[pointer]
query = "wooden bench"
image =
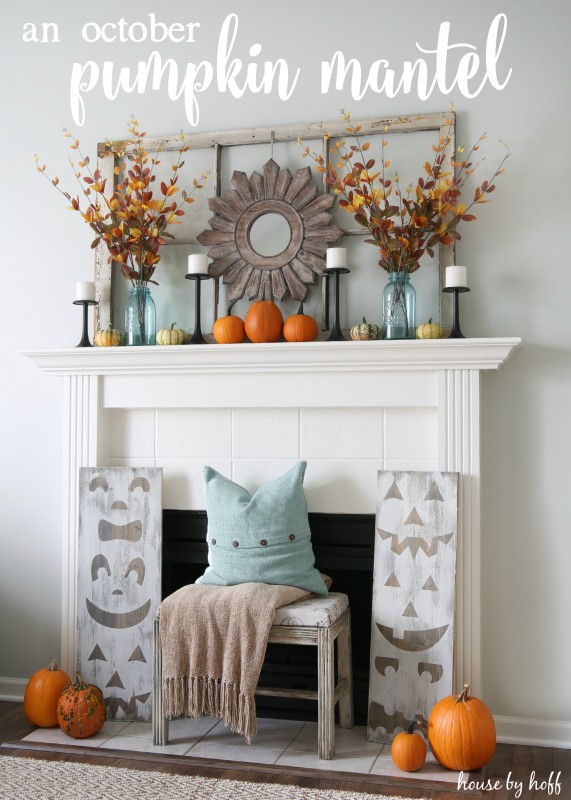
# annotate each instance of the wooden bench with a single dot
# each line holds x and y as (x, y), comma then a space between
(318, 622)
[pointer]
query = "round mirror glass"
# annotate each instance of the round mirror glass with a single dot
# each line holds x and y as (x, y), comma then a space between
(270, 234)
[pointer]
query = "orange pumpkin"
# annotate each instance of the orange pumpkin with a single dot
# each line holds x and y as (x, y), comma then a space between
(408, 750)
(42, 695)
(81, 709)
(461, 732)
(264, 322)
(229, 329)
(300, 327)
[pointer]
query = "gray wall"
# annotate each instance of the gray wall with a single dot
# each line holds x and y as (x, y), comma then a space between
(516, 252)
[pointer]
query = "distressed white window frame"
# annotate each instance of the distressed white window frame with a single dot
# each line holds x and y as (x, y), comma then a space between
(443, 122)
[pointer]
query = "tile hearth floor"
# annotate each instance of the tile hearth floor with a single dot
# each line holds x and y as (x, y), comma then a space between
(278, 741)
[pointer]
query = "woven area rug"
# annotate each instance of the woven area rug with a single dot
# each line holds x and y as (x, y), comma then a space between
(35, 779)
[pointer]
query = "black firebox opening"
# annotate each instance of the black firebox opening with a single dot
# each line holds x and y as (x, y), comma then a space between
(343, 545)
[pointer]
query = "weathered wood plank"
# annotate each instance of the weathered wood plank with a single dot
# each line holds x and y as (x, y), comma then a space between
(271, 172)
(321, 203)
(301, 269)
(306, 195)
(253, 285)
(239, 287)
(257, 185)
(119, 584)
(296, 286)
(282, 184)
(220, 206)
(265, 290)
(413, 598)
(241, 183)
(301, 178)
(279, 286)
(290, 133)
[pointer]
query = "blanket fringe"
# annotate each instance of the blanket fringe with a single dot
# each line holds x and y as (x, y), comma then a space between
(198, 696)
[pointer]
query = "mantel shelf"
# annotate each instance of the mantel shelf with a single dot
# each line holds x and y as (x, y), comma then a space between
(295, 357)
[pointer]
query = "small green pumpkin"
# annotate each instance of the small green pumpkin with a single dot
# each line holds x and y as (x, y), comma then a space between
(171, 335)
(365, 331)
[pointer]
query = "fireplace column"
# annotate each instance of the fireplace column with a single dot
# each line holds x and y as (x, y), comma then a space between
(82, 443)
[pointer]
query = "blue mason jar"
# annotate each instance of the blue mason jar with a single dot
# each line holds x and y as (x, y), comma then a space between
(399, 307)
(140, 317)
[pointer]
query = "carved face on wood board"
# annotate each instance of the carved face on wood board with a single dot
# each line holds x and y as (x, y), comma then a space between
(413, 598)
(119, 583)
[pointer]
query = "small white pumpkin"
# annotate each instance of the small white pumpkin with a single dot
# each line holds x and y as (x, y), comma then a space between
(365, 331)
(171, 335)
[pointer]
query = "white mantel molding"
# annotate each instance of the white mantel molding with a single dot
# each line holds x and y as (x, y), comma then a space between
(321, 356)
(442, 374)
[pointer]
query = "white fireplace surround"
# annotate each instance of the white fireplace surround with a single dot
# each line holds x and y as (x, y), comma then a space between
(252, 410)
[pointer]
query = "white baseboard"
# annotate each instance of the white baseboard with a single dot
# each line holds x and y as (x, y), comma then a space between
(540, 732)
(12, 689)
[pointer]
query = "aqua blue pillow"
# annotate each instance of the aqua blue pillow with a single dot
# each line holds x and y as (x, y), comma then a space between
(260, 538)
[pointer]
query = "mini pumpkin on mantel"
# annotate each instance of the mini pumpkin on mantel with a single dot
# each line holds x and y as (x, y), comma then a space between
(171, 335)
(229, 329)
(365, 332)
(300, 327)
(264, 322)
(429, 330)
(107, 337)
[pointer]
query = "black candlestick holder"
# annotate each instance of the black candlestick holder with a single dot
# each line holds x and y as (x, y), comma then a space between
(336, 335)
(197, 337)
(85, 336)
(456, 333)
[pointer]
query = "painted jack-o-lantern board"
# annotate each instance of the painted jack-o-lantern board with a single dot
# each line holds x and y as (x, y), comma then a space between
(119, 584)
(412, 636)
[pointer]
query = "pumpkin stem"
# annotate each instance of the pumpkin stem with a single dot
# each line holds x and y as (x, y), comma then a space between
(53, 665)
(172, 326)
(231, 306)
(300, 309)
(430, 320)
(364, 321)
(463, 696)
(411, 725)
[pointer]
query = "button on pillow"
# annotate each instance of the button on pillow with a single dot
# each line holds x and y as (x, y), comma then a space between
(259, 538)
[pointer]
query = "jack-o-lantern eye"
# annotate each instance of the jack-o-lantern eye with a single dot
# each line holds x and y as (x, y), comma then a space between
(99, 482)
(140, 483)
(99, 562)
(136, 565)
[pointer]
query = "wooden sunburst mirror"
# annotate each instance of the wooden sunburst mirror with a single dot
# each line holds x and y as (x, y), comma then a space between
(235, 257)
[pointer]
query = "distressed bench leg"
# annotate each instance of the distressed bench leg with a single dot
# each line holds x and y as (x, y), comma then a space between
(325, 694)
(160, 724)
(345, 671)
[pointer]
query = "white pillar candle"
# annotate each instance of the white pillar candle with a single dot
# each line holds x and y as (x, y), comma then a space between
(456, 277)
(197, 264)
(85, 290)
(336, 257)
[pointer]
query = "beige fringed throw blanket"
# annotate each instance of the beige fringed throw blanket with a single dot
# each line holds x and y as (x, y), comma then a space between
(213, 641)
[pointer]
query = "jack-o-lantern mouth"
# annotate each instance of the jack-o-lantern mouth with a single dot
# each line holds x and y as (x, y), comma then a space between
(111, 619)
(413, 641)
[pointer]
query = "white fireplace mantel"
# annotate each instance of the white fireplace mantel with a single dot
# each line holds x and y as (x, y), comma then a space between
(439, 375)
